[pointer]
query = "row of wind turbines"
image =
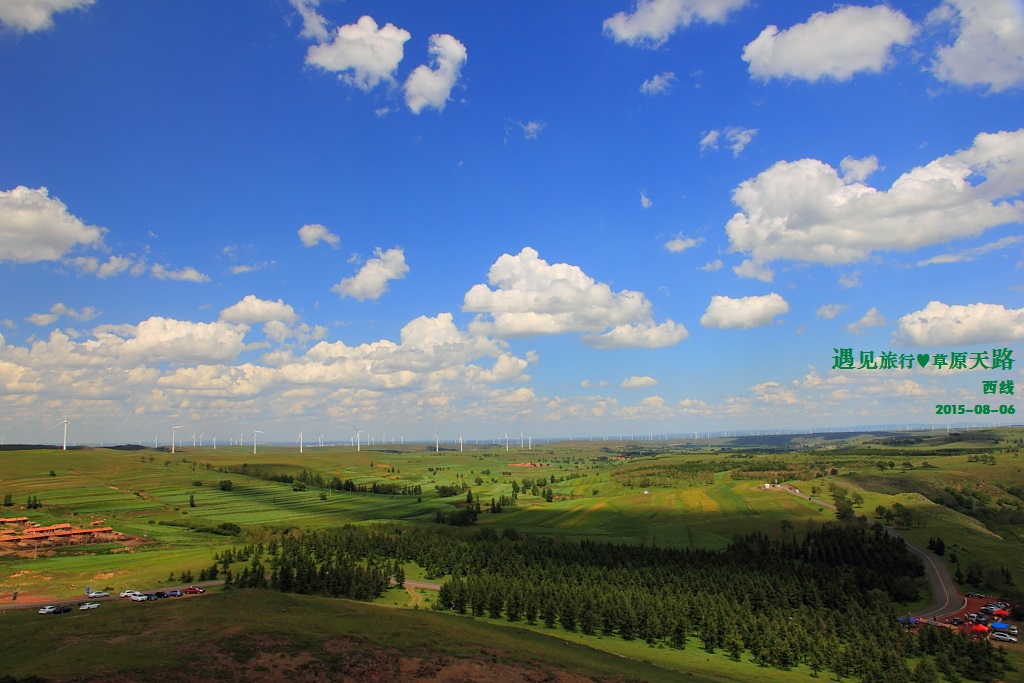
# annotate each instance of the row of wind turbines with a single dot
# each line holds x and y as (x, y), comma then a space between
(526, 442)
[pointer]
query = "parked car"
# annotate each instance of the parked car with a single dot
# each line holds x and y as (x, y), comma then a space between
(139, 597)
(194, 590)
(49, 609)
(1004, 637)
(1012, 630)
(972, 617)
(152, 596)
(161, 594)
(129, 593)
(956, 621)
(176, 593)
(987, 610)
(62, 609)
(99, 594)
(975, 595)
(89, 605)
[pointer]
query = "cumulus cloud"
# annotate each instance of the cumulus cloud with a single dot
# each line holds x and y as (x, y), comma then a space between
(805, 211)
(187, 274)
(372, 279)
(833, 45)
(35, 15)
(362, 54)
(939, 324)
(658, 84)
(680, 243)
(750, 311)
(251, 309)
(652, 22)
(647, 336)
(858, 170)
(313, 234)
(645, 201)
(736, 138)
(58, 310)
(36, 227)
(431, 86)
(754, 270)
(639, 382)
(531, 297)
(711, 266)
(870, 319)
(989, 46)
(830, 311)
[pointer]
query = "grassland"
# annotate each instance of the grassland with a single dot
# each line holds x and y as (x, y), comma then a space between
(146, 494)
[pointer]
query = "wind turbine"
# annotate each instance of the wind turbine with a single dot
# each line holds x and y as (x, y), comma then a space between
(214, 442)
(460, 442)
(65, 423)
(174, 429)
(300, 442)
(193, 439)
(254, 433)
(437, 443)
(506, 442)
(321, 439)
(358, 432)
(201, 439)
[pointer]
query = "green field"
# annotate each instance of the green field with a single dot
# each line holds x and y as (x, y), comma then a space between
(146, 495)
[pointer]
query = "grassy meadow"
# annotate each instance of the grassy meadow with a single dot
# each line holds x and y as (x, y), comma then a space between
(690, 496)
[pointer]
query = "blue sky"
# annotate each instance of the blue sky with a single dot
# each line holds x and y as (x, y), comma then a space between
(597, 217)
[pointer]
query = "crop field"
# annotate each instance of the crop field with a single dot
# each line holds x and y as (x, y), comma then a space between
(179, 515)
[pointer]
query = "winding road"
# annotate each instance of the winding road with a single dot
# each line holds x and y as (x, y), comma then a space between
(946, 598)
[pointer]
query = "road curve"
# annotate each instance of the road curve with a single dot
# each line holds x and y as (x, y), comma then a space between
(946, 598)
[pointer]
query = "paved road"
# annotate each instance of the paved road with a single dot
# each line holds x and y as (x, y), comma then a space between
(946, 598)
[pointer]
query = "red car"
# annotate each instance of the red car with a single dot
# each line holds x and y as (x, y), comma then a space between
(194, 590)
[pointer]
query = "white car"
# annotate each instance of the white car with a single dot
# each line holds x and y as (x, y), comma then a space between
(129, 594)
(1003, 637)
(89, 605)
(49, 609)
(99, 594)
(140, 597)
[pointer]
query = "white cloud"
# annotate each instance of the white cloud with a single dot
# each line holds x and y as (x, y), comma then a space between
(849, 280)
(804, 211)
(58, 310)
(858, 170)
(313, 234)
(35, 15)
(711, 266)
(974, 252)
(187, 274)
(252, 309)
(989, 48)
(750, 311)
(532, 129)
(372, 279)
(709, 141)
(830, 311)
(313, 24)
(115, 265)
(833, 45)
(645, 201)
(587, 384)
(361, 54)
(36, 227)
(680, 243)
(646, 336)
(652, 22)
(534, 297)
(737, 139)
(658, 84)
(432, 86)
(244, 268)
(639, 382)
(754, 270)
(939, 324)
(870, 319)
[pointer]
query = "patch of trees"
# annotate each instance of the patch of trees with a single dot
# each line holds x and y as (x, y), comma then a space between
(224, 529)
(822, 601)
(670, 473)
